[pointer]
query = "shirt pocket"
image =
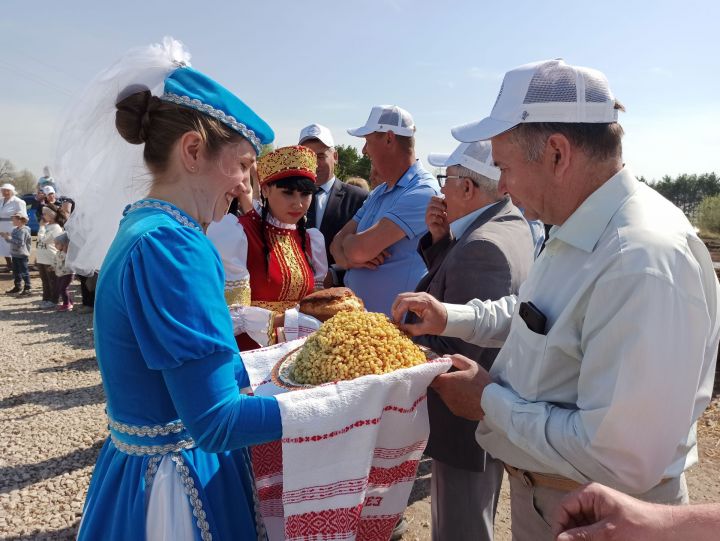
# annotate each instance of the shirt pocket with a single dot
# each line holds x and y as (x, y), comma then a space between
(526, 359)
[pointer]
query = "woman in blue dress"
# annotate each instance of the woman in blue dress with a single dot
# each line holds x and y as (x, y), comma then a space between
(175, 465)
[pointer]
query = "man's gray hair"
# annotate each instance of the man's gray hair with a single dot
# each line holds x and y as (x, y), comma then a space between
(487, 185)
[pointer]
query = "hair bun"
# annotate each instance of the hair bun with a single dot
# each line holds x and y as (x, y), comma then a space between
(132, 118)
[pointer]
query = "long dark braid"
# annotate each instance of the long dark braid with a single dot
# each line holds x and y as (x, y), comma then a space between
(301, 228)
(263, 233)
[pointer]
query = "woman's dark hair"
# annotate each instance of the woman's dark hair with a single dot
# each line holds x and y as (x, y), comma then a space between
(60, 216)
(144, 118)
(300, 184)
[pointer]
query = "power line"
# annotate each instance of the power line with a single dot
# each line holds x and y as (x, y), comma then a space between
(35, 78)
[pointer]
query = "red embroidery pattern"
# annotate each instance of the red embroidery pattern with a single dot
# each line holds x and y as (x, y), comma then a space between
(270, 492)
(267, 459)
(327, 524)
(376, 528)
(322, 492)
(272, 508)
(385, 477)
(390, 454)
(356, 424)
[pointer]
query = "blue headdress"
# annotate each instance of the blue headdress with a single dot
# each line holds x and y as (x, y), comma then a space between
(101, 171)
(190, 88)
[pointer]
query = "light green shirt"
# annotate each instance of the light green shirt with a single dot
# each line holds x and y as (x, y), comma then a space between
(612, 391)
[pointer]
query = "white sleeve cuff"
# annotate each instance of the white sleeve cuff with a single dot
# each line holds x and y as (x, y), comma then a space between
(253, 320)
(497, 403)
(461, 321)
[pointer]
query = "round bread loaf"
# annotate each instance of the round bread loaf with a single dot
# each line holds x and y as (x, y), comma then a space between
(325, 303)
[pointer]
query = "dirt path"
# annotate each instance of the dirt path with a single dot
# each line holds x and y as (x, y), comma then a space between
(52, 424)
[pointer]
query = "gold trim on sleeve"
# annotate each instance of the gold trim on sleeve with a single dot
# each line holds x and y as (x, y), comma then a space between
(238, 292)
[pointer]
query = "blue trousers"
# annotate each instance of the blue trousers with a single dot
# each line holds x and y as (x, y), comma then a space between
(21, 273)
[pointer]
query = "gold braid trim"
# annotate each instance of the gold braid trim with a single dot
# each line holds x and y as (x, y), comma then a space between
(275, 306)
(272, 337)
(237, 292)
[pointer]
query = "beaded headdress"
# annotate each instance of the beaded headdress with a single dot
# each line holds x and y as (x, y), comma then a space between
(295, 161)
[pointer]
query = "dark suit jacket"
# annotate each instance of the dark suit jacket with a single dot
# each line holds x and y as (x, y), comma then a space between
(489, 261)
(343, 202)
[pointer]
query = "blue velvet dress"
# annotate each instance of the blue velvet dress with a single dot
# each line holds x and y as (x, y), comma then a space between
(172, 376)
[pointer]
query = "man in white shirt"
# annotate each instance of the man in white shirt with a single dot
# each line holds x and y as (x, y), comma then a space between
(335, 202)
(610, 346)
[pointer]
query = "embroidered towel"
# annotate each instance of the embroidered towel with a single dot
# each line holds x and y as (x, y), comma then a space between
(348, 455)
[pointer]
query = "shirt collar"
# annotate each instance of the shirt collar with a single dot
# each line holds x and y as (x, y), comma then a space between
(585, 226)
(328, 185)
(459, 226)
(405, 179)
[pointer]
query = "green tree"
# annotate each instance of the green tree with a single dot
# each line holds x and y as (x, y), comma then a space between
(688, 191)
(266, 149)
(709, 214)
(24, 181)
(351, 163)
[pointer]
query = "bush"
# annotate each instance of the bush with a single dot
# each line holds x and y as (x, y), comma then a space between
(709, 214)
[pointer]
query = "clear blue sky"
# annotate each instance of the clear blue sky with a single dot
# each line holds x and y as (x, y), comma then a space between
(328, 61)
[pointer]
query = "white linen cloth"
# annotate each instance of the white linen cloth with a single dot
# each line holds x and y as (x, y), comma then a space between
(350, 451)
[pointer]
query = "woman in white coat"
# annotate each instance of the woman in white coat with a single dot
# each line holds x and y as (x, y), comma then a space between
(9, 205)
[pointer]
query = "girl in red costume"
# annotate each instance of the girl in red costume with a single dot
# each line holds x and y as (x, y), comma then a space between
(271, 261)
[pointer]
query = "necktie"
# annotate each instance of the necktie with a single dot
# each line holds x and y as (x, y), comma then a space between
(312, 211)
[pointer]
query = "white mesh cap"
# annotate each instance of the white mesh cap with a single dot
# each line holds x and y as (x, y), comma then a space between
(546, 91)
(316, 131)
(384, 118)
(475, 156)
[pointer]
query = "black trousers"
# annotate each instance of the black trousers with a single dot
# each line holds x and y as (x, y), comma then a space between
(49, 282)
(88, 294)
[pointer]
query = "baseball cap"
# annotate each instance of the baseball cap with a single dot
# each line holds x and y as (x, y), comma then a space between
(545, 91)
(316, 131)
(47, 190)
(475, 156)
(385, 118)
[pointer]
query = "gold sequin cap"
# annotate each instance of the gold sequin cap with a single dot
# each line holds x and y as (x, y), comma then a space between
(295, 161)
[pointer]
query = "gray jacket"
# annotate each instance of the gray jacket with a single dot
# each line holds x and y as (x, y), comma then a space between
(489, 261)
(20, 241)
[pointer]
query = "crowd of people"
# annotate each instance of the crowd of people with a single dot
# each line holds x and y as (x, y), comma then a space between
(51, 212)
(583, 357)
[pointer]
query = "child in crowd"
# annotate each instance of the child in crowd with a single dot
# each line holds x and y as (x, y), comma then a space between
(64, 275)
(20, 241)
(51, 226)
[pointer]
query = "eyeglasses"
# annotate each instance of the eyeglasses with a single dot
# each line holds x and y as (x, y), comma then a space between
(443, 178)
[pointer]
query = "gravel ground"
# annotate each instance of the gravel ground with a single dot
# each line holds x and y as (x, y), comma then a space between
(52, 425)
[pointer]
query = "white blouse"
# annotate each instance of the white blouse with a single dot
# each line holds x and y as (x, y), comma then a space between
(230, 239)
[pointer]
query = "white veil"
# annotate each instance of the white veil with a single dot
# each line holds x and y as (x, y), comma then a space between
(99, 169)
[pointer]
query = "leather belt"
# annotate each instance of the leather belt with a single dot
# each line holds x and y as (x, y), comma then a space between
(532, 479)
(556, 482)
